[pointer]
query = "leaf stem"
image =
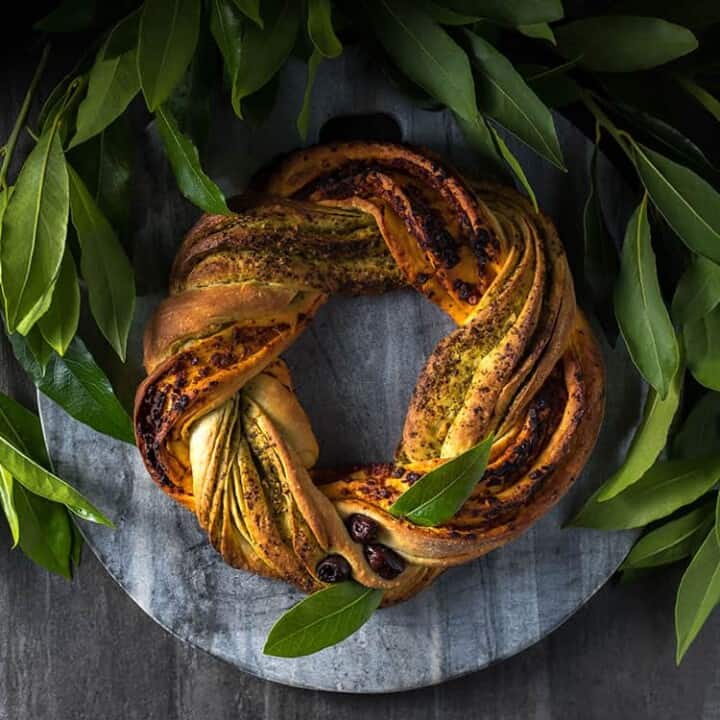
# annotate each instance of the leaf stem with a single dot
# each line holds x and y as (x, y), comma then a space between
(601, 119)
(20, 121)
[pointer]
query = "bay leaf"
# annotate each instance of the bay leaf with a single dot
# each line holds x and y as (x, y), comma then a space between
(34, 230)
(251, 9)
(320, 29)
(538, 31)
(105, 164)
(649, 440)
(323, 619)
(426, 54)
(303, 120)
(184, 159)
(701, 339)
(699, 435)
(624, 43)
(504, 95)
(42, 482)
(113, 82)
(698, 593)
(665, 487)
(673, 541)
(437, 496)
(481, 139)
(690, 204)
(79, 386)
(167, 39)
(60, 323)
(194, 99)
(104, 266)
(22, 428)
(697, 292)
(226, 25)
(639, 308)
(514, 164)
(265, 49)
(45, 531)
(527, 12)
(7, 500)
(600, 256)
(647, 128)
(69, 16)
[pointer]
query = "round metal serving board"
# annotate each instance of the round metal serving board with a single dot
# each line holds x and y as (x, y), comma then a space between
(355, 368)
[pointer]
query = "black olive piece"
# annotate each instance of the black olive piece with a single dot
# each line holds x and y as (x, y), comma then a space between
(384, 561)
(362, 529)
(333, 569)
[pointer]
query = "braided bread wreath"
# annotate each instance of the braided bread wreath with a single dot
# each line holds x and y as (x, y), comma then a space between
(222, 432)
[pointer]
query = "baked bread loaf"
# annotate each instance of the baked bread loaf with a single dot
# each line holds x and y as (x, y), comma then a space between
(222, 432)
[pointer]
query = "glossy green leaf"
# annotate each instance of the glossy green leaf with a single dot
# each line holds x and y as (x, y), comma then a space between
(112, 84)
(266, 49)
(624, 43)
(194, 100)
(538, 31)
(42, 482)
(482, 139)
(251, 9)
(194, 184)
(514, 164)
(527, 12)
(689, 204)
(701, 339)
(504, 95)
(665, 488)
(699, 435)
(554, 87)
(104, 267)
(45, 531)
(77, 544)
(426, 54)
(649, 440)
(79, 386)
(303, 120)
(672, 541)
(59, 324)
(226, 25)
(656, 133)
(445, 15)
(34, 230)
(34, 347)
(698, 291)
(600, 256)
(639, 308)
(438, 495)
(323, 619)
(7, 500)
(695, 14)
(69, 16)
(23, 430)
(708, 101)
(320, 28)
(105, 163)
(698, 593)
(168, 35)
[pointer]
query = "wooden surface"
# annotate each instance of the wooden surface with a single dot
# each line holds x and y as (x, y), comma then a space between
(85, 650)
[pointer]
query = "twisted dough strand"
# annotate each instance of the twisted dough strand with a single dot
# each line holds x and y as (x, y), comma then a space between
(221, 430)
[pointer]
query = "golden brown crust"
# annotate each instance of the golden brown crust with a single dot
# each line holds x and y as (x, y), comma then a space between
(221, 430)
